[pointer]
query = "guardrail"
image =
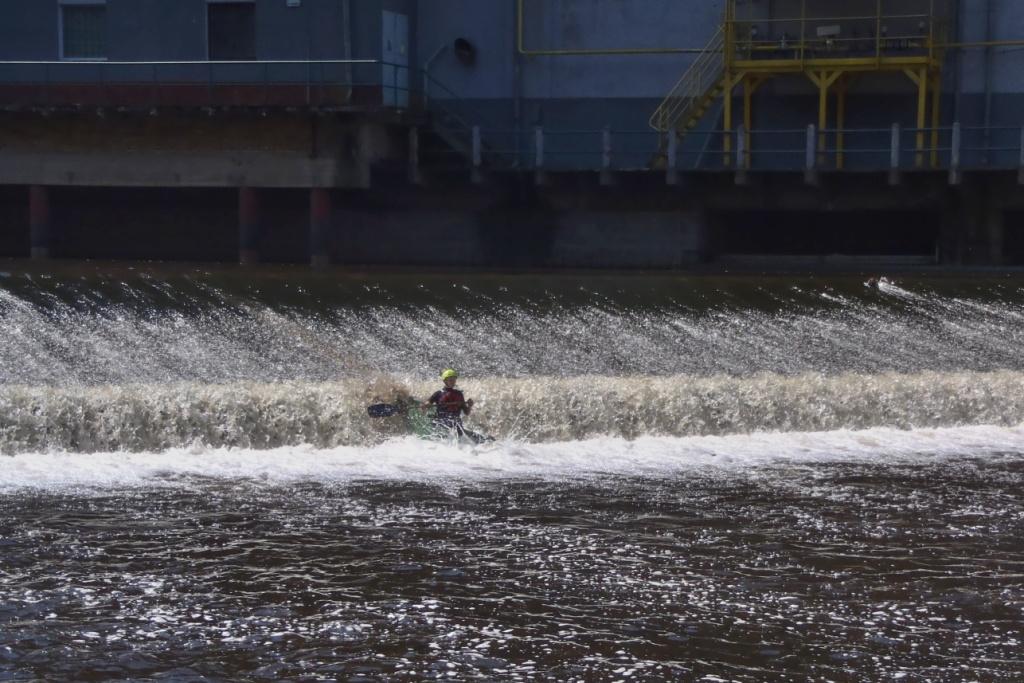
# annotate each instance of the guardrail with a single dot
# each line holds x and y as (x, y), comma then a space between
(480, 145)
(893, 150)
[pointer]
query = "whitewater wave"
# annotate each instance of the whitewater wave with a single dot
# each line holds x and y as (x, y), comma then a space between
(260, 416)
(412, 460)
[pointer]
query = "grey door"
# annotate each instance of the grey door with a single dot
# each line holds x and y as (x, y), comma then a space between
(395, 55)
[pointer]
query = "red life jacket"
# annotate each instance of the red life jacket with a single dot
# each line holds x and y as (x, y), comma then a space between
(450, 403)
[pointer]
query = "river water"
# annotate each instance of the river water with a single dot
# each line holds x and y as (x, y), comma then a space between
(706, 479)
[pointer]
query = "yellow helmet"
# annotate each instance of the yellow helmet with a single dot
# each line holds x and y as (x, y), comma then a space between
(449, 374)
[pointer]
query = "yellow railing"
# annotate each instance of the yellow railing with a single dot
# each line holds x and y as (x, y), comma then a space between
(697, 82)
(806, 38)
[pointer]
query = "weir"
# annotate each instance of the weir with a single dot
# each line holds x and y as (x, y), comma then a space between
(157, 418)
(143, 364)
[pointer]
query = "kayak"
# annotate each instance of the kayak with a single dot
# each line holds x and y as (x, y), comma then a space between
(425, 425)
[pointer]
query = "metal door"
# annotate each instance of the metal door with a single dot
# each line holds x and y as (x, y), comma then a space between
(395, 55)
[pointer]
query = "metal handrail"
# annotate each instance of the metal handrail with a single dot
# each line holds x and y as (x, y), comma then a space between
(863, 17)
(697, 81)
(186, 62)
(623, 145)
(478, 119)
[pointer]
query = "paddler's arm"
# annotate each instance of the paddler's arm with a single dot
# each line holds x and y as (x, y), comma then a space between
(467, 406)
(426, 405)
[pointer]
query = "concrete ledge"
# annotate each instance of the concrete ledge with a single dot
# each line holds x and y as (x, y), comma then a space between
(816, 260)
(156, 169)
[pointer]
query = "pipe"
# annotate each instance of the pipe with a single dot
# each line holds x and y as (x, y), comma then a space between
(958, 60)
(988, 77)
(346, 44)
(517, 86)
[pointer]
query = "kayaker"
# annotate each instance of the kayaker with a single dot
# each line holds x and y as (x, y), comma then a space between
(450, 404)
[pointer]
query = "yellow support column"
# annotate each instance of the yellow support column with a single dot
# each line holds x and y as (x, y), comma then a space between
(748, 91)
(728, 81)
(750, 85)
(819, 80)
(824, 80)
(920, 79)
(727, 85)
(840, 122)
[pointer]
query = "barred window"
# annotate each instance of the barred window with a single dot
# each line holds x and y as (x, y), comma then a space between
(83, 31)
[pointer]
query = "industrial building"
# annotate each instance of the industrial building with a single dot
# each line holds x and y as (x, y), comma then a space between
(670, 134)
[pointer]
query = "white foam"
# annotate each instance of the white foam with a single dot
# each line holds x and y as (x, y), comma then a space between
(269, 415)
(411, 459)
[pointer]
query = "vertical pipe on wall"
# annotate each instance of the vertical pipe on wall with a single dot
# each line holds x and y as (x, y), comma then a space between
(346, 46)
(988, 79)
(841, 123)
(517, 80)
(958, 59)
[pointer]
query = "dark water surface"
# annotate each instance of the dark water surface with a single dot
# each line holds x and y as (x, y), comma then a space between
(693, 478)
(842, 572)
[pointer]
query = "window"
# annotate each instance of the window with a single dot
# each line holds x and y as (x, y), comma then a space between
(231, 30)
(83, 30)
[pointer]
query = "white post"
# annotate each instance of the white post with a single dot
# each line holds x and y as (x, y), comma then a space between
(741, 155)
(538, 162)
(606, 156)
(954, 155)
(478, 156)
(894, 155)
(811, 156)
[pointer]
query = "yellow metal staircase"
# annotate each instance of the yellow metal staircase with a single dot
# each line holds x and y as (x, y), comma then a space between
(829, 48)
(699, 87)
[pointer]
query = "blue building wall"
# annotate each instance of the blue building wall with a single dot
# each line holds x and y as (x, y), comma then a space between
(587, 92)
(176, 29)
(510, 92)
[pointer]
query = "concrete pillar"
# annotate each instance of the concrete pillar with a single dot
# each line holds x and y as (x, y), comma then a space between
(248, 226)
(39, 221)
(320, 211)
